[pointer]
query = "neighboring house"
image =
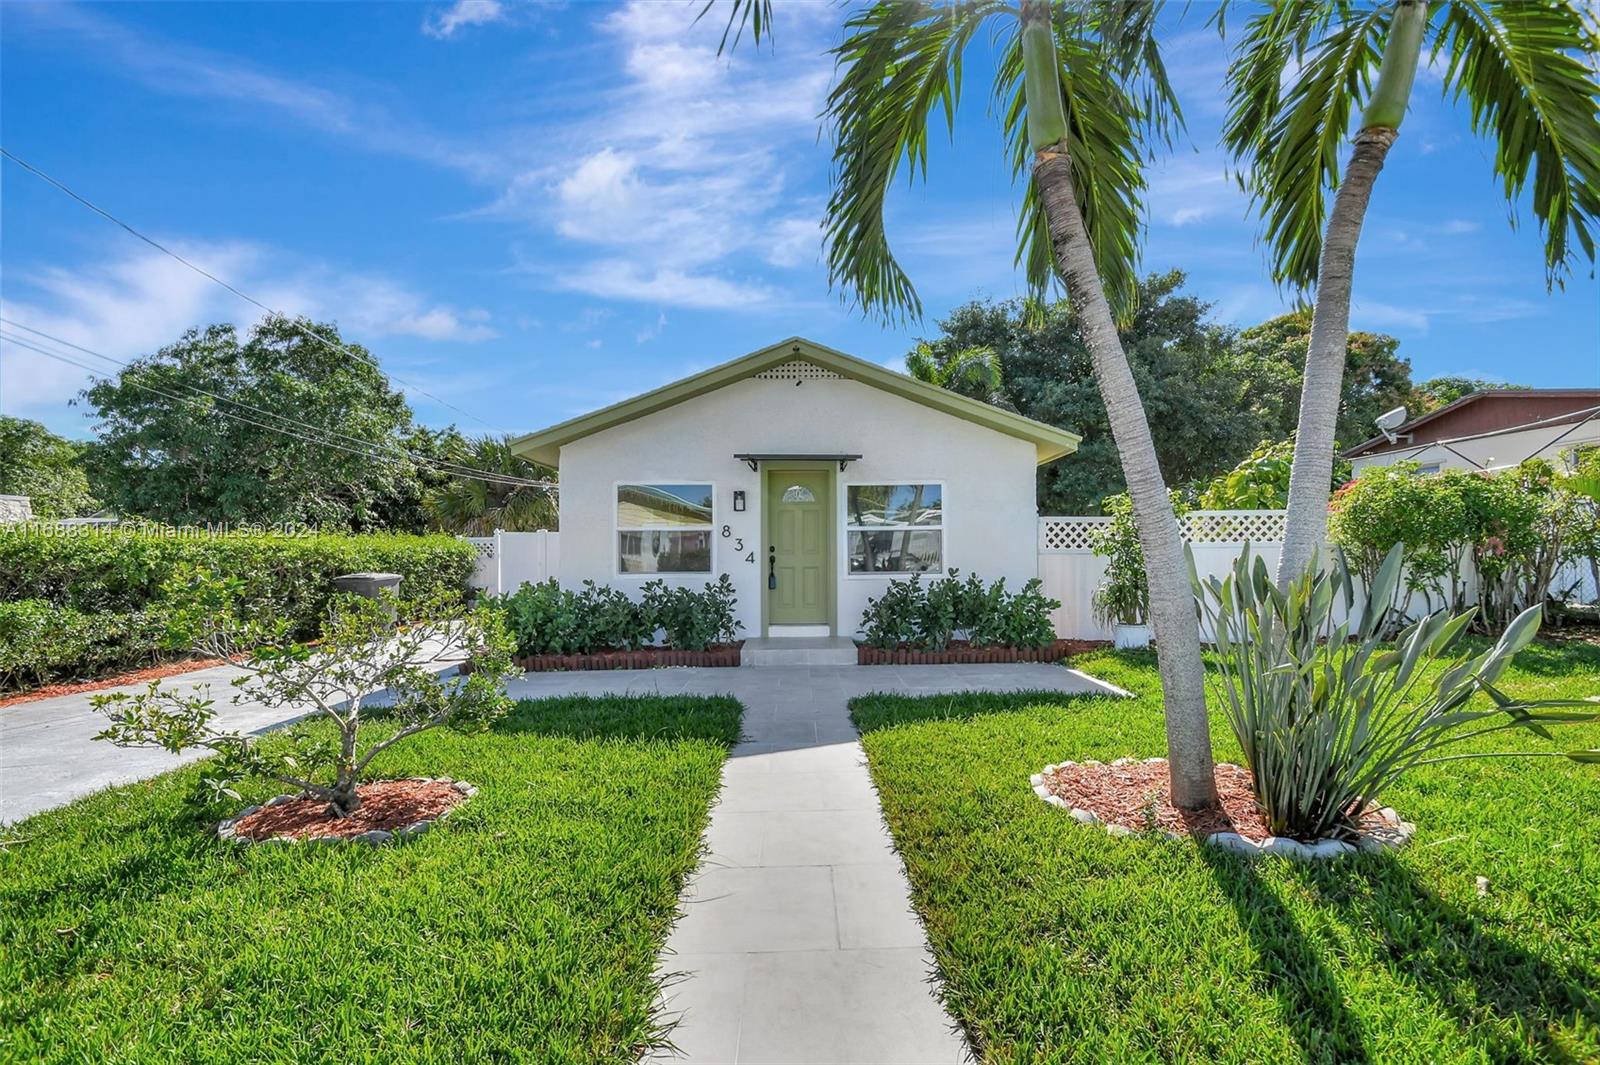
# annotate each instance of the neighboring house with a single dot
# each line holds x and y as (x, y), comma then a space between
(810, 477)
(15, 509)
(1490, 431)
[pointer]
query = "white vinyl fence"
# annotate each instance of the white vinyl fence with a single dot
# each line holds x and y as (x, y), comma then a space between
(1067, 563)
(508, 560)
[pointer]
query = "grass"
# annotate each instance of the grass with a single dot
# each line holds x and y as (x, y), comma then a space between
(1058, 942)
(524, 927)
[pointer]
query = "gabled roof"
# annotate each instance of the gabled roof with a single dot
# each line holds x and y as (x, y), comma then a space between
(1049, 442)
(1581, 399)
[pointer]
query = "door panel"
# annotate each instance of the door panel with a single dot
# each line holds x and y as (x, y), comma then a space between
(798, 525)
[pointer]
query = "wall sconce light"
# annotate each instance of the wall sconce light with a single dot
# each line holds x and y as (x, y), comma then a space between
(738, 501)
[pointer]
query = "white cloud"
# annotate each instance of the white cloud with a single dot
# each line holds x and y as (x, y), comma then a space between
(444, 24)
(1190, 188)
(134, 305)
(650, 332)
(620, 279)
(1374, 314)
(685, 165)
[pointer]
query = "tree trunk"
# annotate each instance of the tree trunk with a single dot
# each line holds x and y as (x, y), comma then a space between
(1311, 477)
(1172, 605)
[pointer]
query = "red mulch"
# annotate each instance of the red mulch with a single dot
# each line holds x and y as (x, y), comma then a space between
(1572, 634)
(137, 676)
(1126, 794)
(385, 805)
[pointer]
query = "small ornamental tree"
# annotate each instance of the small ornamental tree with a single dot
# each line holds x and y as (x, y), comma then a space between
(363, 663)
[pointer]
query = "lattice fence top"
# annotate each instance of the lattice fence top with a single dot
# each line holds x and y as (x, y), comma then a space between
(798, 370)
(1198, 527)
(483, 544)
(1070, 534)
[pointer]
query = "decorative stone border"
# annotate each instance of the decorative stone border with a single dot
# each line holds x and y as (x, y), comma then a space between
(1395, 833)
(228, 833)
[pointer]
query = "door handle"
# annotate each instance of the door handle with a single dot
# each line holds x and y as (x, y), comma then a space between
(772, 567)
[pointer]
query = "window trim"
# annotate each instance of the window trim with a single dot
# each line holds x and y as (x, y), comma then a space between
(617, 530)
(845, 528)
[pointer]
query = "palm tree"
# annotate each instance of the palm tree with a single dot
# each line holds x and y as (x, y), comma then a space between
(1082, 90)
(1527, 72)
(476, 506)
(975, 371)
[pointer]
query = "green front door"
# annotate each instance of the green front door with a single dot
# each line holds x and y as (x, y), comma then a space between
(800, 576)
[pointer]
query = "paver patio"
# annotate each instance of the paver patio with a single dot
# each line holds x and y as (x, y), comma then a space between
(798, 942)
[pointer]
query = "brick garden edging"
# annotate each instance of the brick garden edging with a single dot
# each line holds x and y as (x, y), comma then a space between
(724, 654)
(961, 653)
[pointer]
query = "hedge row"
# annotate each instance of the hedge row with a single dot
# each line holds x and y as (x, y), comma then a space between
(285, 576)
(41, 643)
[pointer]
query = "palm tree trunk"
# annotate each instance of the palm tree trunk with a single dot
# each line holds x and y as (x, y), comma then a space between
(1172, 606)
(1310, 478)
(1172, 609)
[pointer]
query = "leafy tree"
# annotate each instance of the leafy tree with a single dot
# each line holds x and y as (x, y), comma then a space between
(47, 468)
(405, 504)
(1261, 480)
(479, 506)
(1527, 72)
(274, 427)
(1438, 392)
(1272, 360)
(361, 658)
(1084, 93)
(1202, 415)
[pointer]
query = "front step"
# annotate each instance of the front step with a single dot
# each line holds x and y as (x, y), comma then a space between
(799, 651)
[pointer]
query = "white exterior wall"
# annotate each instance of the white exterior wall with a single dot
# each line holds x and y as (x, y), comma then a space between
(1497, 451)
(988, 478)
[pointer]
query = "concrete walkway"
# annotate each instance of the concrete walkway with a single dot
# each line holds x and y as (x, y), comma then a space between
(49, 756)
(798, 942)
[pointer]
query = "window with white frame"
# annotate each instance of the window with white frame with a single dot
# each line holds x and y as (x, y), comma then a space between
(894, 528)
(664, 528)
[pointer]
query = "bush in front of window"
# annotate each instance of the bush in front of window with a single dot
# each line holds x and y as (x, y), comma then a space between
(546, 618)
(691, 620)
(927, 616)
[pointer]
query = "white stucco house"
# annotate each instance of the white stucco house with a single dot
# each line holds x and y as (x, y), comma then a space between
(811, 477)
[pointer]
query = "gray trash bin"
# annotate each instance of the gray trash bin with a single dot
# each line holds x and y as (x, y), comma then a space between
(371, 586)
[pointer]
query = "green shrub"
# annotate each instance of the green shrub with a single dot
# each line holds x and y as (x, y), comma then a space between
(928, 616)
(548, 619)
(1329, 717)
(1124, 596)
(285, 577)
(691, 620)
(41, 643)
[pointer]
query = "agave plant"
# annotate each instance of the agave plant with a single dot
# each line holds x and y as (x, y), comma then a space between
(1330, 715)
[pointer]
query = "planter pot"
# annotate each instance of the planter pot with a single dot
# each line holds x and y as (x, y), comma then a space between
(1130, 637)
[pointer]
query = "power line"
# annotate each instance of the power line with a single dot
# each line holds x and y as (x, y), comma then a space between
(108, 216)
(465, 473)
(444, 465)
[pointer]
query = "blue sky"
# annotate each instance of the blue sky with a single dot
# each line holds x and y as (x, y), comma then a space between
(531, 211)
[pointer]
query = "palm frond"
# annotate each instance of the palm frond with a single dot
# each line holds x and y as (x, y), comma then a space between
(900, 64)
(1287, 137)
(1108, 121)
(1521, 68)
(756, 14)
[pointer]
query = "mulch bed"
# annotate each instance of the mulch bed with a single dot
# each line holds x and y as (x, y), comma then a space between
(385, 806)
(959, 651)
(1136, 794)
(1572, 634)
(136, 676)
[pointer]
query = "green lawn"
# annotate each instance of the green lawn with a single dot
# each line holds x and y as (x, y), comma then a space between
(524, 927)
(1058, 942)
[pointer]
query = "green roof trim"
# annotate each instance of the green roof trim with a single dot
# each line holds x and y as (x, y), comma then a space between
(1049, 442)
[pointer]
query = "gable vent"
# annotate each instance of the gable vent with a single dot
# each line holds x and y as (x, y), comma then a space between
(798, 370)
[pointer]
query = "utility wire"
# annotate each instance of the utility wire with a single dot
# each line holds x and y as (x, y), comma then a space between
(108, 216)
(479, 475)
(443, 464)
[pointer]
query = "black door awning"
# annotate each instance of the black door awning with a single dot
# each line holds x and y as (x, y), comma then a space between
(755, 461)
